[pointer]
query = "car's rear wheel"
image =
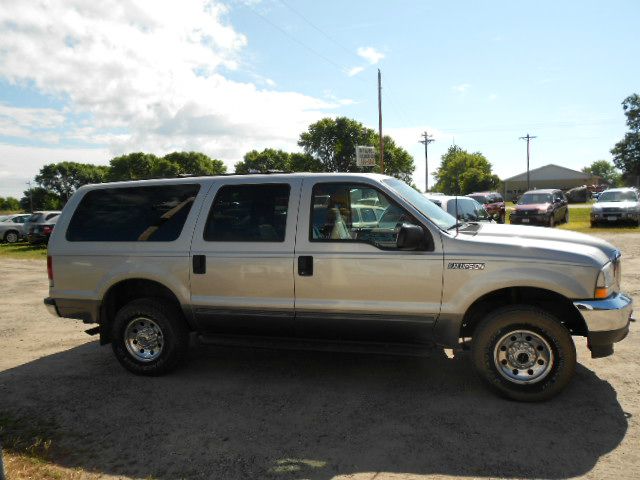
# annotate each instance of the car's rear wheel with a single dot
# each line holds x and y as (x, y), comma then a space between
(149, 336)
(566, 216)
(502, 218)
(11, 236)
(524, 353)
(552, 221)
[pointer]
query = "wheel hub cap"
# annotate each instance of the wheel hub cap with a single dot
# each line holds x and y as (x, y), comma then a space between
(523, 357)
(143, 339)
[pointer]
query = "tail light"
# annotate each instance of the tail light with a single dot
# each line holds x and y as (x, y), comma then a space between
(50, 269)
(47, 229)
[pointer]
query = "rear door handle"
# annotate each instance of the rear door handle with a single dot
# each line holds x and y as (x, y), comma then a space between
(199, 264)
(305, 266)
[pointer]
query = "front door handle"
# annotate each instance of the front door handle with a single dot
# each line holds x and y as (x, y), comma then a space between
(200, 264)
(305, 266)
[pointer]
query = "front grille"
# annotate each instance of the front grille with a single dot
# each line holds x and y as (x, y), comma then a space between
(612, 210)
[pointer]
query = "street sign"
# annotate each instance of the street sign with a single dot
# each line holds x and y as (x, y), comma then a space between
(365, 156)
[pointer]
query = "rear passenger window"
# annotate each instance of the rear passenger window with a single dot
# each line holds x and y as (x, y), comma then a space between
(136, 214)
(248, 213)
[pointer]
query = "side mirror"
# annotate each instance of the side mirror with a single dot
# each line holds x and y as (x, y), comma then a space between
(410, 237)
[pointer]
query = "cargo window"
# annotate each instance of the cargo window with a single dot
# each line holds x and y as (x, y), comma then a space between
(355, 213)
(249, 213)
(134, 214)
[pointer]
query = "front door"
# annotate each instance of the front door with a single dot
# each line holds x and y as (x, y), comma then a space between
(242, 257)
(351, 280)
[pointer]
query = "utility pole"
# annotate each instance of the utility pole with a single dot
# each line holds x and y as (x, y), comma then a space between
(528, 138)
(380, 121)
(30, 195)
(426, 140)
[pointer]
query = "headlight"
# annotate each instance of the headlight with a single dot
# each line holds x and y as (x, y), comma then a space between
(606, 281)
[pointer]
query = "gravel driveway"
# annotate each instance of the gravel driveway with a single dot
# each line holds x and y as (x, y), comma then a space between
(242, 413)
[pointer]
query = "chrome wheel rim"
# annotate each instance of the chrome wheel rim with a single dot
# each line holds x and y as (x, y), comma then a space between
(523, 357)
(143, 339)
(12, 237)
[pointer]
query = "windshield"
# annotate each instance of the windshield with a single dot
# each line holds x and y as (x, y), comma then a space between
(34, 218)
(468, 209)
(429, 209)
(532, 198)
(627, 196)
(480, 198)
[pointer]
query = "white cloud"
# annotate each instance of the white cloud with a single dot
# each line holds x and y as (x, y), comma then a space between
(493, 97)
(462, 88)
(151, 71)
(354, 71)
(370, 54)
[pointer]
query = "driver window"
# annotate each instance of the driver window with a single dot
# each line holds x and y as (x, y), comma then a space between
(355, 213)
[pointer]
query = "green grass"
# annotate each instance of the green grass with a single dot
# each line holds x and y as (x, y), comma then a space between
(579, 221)
(23, 250)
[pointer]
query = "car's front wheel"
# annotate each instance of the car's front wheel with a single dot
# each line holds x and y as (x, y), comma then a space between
(11, 236)
(524, 353)
(149, 336)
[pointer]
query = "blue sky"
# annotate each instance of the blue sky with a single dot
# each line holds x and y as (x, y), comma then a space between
(86, 82)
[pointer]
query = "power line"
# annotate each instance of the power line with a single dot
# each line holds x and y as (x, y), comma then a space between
(322, 32)
(294, 39)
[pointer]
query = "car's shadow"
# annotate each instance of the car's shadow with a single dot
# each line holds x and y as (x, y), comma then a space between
(242, 413)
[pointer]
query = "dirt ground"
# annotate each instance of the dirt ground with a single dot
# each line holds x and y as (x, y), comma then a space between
(236, 413)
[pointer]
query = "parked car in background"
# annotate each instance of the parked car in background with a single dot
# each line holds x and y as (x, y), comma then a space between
(616, 205)
(12, 227)
(468, 210)
(40, 232)
(493, 204)
(39, 217)
(541, 207)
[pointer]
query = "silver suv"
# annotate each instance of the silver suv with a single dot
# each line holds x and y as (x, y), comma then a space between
(616, 205)
(287, 256)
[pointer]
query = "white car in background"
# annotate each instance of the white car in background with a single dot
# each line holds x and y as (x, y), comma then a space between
(12, 227)
(616, 205)
(467, 209)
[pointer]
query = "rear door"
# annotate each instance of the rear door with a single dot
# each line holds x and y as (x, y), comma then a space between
(242, 257)
(351, 281)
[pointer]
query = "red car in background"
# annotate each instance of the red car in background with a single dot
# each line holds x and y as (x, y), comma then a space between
(493, 204)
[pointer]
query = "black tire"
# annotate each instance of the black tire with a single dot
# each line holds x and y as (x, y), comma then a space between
(499, 325)
(502, 218)
(566, 216)
(552, 221)
(12, 236)
(594, 224)
(173, 341)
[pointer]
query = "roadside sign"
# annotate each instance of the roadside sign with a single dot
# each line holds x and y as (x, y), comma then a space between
(365, 156)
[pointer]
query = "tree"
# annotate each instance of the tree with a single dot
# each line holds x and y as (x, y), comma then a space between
(270, 159)
(43, 199)
(267, 159)
(461, 172)
(626, 153)
(332, 142)
(195, 163)
(9, 204)
(133, 166)
(140, 166)
(64, 178)
(605, 170)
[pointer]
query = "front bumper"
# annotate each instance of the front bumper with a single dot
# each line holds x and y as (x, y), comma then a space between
(607, 322)
(614, 216)
(534, 218)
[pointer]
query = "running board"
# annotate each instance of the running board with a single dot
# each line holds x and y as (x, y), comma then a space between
(320, 345)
